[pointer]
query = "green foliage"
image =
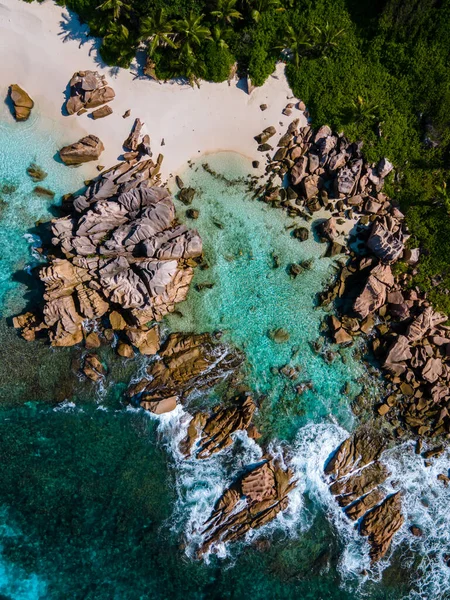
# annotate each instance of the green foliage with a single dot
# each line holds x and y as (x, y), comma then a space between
(218, 62)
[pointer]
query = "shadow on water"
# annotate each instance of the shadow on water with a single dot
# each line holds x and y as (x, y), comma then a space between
(9, 103)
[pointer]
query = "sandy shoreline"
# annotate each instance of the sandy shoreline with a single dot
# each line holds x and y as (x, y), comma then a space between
(44, 44)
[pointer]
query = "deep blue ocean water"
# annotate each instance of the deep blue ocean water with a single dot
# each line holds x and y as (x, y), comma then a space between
(95, 502)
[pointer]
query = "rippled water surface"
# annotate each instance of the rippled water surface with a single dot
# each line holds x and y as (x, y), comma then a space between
(95, 500)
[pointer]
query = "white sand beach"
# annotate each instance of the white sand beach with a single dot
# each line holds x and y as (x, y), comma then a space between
(42, 45)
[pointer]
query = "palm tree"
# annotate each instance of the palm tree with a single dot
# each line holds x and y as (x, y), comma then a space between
(226, 11)
(296, 43)
(117, 35)
(159, 31)
(444, 196)
(116, 6)
(192, 32)
(363, 112)
(258, 7)
(327, 39)
(218, 36)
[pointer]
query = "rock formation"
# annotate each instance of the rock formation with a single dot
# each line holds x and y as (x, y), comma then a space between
(187, 362)
(85, 150)
(120, 252)
(212, 433)
(21, 101)
(356, 473)
(88, 90)
(381, 524)
(253, 500)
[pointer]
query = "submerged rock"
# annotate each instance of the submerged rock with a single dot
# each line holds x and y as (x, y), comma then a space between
(280, 335)
(36, 173)
(22, 102)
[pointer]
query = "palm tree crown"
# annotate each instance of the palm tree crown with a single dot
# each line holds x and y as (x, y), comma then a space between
(159, 30)
(192, 32)
(226, 11)
(116, 6)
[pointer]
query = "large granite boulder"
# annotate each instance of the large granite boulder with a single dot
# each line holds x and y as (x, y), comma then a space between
(88, 89)
(374, 294)
(386, 245)
(253, 500)
(21, 101)
(123, 254)
(85, 150)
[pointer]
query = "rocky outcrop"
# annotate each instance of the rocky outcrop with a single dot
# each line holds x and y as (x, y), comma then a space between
(85, 150)
(119, 251)
(132, 141)
(88, 90)
(210, 433)
(356, 474)
(187, 362)
(253, 500)
(387, 240)
(375, 291)
(21, 101)
(381, 524)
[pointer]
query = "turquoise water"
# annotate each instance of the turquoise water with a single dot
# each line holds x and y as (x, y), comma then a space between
(35, 140)
(251, 298)
(94, 500)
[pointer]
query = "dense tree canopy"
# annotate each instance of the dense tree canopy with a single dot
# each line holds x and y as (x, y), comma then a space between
(377, 69)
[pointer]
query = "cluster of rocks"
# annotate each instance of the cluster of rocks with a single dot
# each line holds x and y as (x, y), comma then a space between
(22, 102)
(137, 145)
(253, 500)
(119, 258)
(408, 336)
(325, 171)
(328, 172)
(356, 476)
(89, 90)
(186, 363)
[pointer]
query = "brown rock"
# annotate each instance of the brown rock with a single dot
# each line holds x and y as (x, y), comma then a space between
(381, 524)
(125, 350)
(188, 362)
(101, 112)
(214, 431)
(93, 368)
(21, 101)
(87, 149)
(147, 341)
(161, 406)
(92, 341)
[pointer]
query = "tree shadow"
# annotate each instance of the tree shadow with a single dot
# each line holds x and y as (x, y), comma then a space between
(242, 84)
(72, 30)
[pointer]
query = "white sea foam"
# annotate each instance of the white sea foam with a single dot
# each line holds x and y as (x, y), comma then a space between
(67, 406)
